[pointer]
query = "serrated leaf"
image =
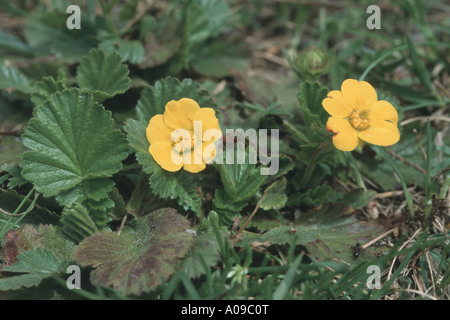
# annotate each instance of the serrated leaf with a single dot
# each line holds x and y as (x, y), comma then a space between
(131, 51)
(29, 237)
(142, 199)
(12, 78)
(240, 181)
(358, 198)
(15, 176)
(211, 17)
(103, 73)
(164, 39)
(72, 145)
(275, 198)
(204, 254)
(326, 234)
(310, 96)
(44, 89)
(76, 222)
(140, 258)
(296, 134)
(313, 196)
(37, 265)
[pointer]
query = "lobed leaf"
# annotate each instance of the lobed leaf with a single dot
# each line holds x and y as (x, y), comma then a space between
(45, 88)
(72, 147)
(141, 257)
(326, 234)
(103, 73)
(12, 78)
(29, 237)
(76, 222)
(35, 265)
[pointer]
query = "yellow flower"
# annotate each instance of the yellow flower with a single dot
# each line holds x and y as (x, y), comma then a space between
(357, 117)
(184, 136)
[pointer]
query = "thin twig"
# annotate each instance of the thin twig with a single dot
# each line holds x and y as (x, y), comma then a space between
(389, 194)
(420, 143)
(256, 208)
(412, 165)
(122, 224)
(371, 242)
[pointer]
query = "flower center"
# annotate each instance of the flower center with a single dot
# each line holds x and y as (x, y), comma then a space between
(359, 119)
(183, 139)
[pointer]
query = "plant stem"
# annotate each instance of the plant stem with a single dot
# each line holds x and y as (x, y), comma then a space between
(9, 224)
(408, 197)
(445, 187)
(358, 177)
(428, 175)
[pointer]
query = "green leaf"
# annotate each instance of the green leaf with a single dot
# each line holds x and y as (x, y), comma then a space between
(310, 96)
(164, 39)
(29, 237)
(142, 199)
(326, 234)
(419, 67)
(76, 222)
(224, 205)
(103, 73)
(211, 17)
(73, 150)
(240, 181)
(44, 89)
(131, 51)
(313, 196)
(204, 254)
(178, 186)
(299, 137)
(10, 43)
(12, 78)
(218, 58)
(359, 198)
(275, 198)
(46, 34)
(141, 257)
(37, 265)
(15, 176)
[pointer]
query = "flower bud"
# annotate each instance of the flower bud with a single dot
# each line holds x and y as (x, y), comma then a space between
(313, 62)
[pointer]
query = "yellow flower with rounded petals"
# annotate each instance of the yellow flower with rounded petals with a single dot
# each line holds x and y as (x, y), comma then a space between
(184, 136)
(357, 117)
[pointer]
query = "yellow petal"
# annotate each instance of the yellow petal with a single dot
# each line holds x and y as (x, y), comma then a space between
(336, 106)
(383, 110)
(380, 132)
(192, 161)
(164, 155)
(358, 94)
(208, 152)
(209, 123)
(345, 137)
(157, 130)
(179, 114)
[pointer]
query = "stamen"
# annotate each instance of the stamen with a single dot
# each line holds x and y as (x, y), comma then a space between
(183, 139)
(359, 119)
